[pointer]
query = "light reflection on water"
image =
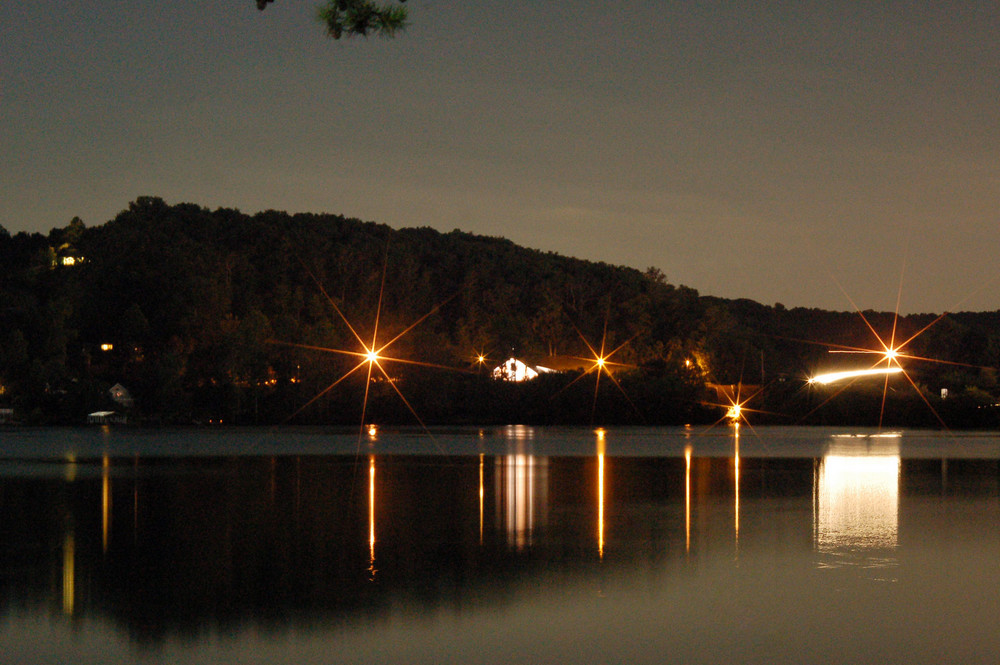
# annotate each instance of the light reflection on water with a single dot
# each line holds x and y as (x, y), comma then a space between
(857, 502)
(515, 556)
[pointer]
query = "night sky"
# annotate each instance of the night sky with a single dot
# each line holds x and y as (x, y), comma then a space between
(830, 155)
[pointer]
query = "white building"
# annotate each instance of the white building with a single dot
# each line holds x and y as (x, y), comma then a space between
(513, 369)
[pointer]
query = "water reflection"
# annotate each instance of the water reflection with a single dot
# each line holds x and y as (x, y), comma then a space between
(482, 497)
(521, 487)
(281, 551)
(69, 573)
(687, 499)
(857, 498)
(105, 501)
(736, 483)
(371, 517)
(600, 492)
(523, 502)
(71, 468)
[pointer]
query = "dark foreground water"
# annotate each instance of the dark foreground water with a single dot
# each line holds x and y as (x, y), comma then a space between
(512, 545)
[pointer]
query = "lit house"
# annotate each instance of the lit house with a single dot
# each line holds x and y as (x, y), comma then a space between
(66, 255)
(514, 369)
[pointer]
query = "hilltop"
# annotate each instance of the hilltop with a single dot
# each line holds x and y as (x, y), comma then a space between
(216, 315)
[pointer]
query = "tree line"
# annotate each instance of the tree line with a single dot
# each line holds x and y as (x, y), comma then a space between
(216, 315)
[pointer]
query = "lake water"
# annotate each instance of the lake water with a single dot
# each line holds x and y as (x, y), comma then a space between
(499, 545)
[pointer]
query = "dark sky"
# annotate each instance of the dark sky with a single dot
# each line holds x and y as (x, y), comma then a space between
(814, 154)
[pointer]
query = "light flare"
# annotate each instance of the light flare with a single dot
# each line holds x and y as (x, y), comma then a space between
(601, 363)
(371, 356)
(832, 377)
(736, 409)
(889, 355)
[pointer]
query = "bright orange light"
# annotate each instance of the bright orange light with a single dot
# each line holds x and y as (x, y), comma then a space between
(736, 408)
(602, 364)
(370, 353)
(890, 354)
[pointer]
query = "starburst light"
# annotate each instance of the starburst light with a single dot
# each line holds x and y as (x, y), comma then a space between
(599, 363)
(888, 352)
(736, 408)
(371, 356)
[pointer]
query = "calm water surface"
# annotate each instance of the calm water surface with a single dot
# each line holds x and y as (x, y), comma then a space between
(514, 545)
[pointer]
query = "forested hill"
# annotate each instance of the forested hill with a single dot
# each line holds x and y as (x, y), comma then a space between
(217, 315)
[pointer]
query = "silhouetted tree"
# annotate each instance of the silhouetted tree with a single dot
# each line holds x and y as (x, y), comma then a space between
(357, 17)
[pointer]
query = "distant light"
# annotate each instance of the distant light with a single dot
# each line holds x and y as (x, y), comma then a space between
(851, 374)
(733, 413)
(107, 347)
(600, 362)
(372, 356)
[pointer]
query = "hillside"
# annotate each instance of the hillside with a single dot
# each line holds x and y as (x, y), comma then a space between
(219, 315)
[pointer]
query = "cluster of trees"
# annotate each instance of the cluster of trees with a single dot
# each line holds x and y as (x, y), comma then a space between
(217, 315)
